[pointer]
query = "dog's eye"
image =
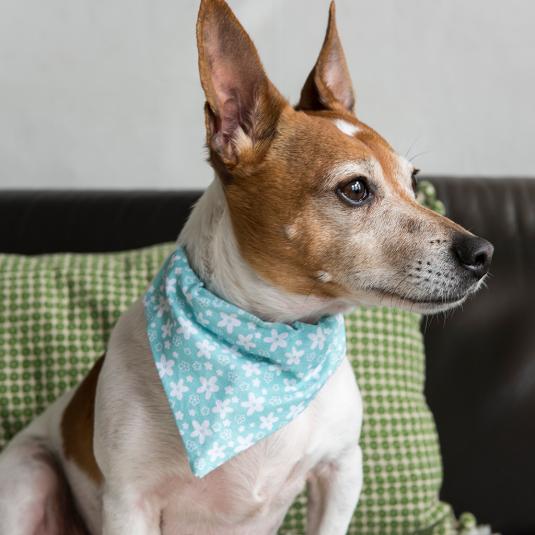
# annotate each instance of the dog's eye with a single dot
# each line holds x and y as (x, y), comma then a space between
(413, 178)
(354, 192)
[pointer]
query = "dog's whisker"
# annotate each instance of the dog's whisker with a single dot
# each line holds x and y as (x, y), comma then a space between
(411, 146)
(418, 155)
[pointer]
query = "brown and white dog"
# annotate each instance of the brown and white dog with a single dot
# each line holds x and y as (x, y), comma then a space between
(311, 212)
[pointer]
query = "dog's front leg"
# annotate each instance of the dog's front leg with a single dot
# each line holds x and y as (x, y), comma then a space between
(123, 515)
(333, 493)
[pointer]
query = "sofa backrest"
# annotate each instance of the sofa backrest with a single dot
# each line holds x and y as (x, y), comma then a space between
(480, 360)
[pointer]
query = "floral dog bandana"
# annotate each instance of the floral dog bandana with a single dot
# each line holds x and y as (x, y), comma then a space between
(231, 379)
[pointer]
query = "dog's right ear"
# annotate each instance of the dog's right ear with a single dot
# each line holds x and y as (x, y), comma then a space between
(242, 105)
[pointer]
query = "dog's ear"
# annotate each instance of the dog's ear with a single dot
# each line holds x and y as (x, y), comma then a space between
(242, 105)
(329, 86)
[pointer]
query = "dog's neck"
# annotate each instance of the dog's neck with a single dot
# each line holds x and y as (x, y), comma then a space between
(214, 255)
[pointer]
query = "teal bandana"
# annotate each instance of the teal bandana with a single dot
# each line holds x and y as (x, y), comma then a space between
(231, 379)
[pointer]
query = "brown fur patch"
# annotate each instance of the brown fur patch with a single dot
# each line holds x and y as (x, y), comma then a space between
(282, 191)
(77, 425)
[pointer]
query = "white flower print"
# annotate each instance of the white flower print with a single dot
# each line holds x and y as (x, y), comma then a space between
(254, 404)
(228, 321)
(170, 285)
(290, 385)
(183, 366)
(276, 340)
(244, 443)
(246, 341)
(217, 452)
(251, 368)
(205, 348)
(203, 320)
(223, 408)
(201, 430)
(178, 389)
(165, 367)
(233, 376)
(166, 329)
(179, 415)
(187, 329)
(295, 410)
(267, 422)
(318, 339)
(208, 386)
(162, 307)
(294, 356)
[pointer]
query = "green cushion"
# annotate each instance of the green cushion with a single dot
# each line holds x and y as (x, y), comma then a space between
(57, 311)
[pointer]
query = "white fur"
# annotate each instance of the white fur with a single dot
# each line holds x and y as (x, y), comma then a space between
(354, 168)
(346, 127)
(212, 249)
(149, 488)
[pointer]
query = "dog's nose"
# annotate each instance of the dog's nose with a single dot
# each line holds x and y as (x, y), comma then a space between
(474, 253)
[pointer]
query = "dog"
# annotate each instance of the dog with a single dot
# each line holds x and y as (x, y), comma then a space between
(311, 213)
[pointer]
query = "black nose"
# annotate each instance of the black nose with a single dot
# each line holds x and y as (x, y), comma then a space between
(474, 253)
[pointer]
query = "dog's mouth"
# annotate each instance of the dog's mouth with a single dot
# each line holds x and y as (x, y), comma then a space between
(423, 305)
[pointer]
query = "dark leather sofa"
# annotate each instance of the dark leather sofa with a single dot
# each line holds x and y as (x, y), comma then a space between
(480, 361)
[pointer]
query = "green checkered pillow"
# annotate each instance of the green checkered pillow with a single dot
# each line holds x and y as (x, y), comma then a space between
(57, 311)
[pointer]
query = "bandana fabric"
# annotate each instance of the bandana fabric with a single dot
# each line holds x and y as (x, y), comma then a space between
(231, 379)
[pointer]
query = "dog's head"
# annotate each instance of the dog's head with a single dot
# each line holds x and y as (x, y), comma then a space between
(320, 203)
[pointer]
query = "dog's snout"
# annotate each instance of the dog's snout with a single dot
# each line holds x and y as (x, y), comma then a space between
(473, 253)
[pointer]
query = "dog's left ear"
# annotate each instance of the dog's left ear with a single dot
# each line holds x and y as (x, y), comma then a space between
(329, 86)
(242, 105)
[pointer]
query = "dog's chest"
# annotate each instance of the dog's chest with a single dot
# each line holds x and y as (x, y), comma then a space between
(252, 492)
(248, 494)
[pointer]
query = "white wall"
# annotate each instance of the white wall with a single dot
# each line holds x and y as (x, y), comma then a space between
(106, 93)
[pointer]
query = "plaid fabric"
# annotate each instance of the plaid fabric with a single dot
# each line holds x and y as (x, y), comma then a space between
(57, 311)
